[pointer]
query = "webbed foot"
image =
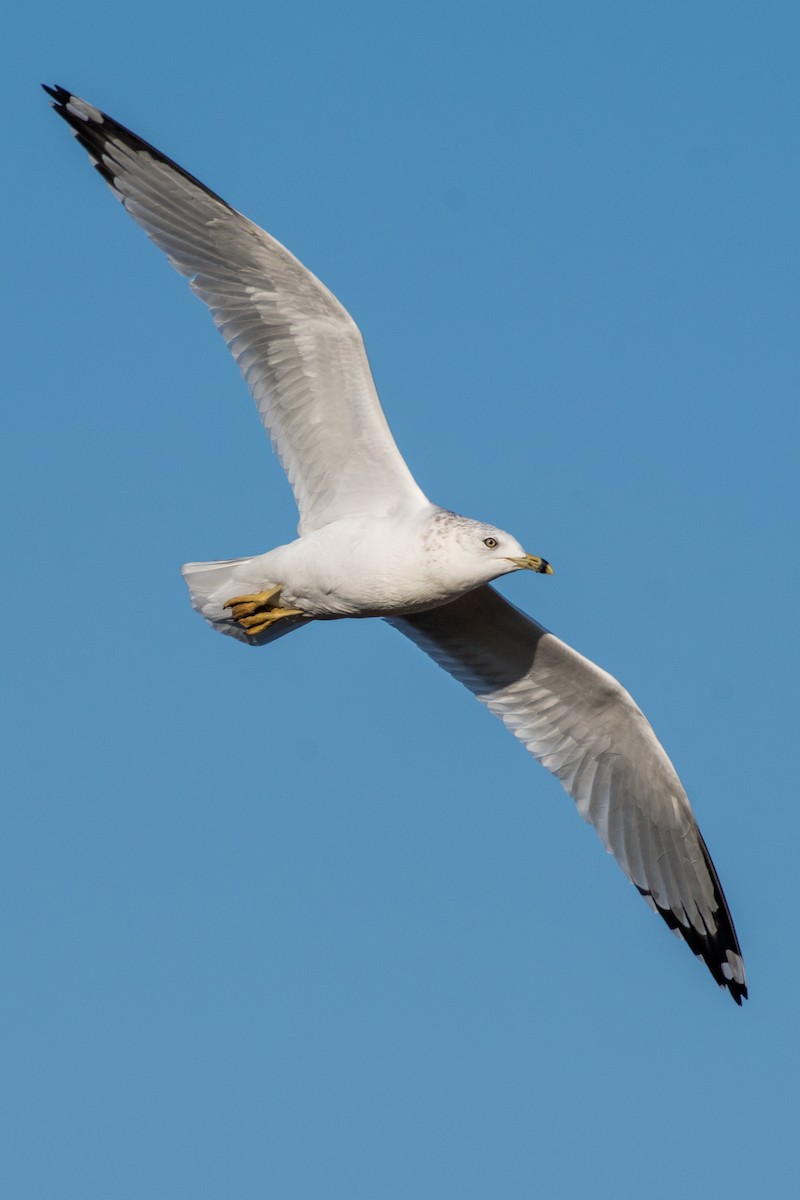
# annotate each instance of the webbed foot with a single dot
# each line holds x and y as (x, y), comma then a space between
(256, 612)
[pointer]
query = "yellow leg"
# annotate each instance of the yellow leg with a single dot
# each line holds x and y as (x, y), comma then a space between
(256, 612)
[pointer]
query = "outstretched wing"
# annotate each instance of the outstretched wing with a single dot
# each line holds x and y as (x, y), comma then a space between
(301, 354)
(581, 724)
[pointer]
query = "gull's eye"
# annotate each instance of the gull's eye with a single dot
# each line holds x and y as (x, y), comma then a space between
(490, 542)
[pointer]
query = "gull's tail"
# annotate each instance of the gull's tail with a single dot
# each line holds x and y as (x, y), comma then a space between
(212, 584)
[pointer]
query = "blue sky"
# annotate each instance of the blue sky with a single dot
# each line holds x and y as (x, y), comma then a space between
(305, 922)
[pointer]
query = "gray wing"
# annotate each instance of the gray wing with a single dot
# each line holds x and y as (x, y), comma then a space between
(299, 351)
(581, 724)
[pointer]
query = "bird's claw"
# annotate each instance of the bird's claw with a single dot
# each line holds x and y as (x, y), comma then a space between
(256, 612)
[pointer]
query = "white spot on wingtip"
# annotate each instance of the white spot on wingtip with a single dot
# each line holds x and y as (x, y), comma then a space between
(83, 111)
(733, 969)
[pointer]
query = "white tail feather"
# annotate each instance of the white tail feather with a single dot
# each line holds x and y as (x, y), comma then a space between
(211, 584)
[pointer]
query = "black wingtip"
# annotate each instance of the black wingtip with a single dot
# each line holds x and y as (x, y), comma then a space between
(97, 132)
(59, 95)
(713, 946)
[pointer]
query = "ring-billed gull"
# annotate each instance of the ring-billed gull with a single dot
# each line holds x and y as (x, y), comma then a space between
(371, 544)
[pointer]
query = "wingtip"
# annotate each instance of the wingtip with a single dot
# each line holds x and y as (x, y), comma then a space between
(57, 93)
(737, 991)
(717, 947)
(101, 136)
(737, 987)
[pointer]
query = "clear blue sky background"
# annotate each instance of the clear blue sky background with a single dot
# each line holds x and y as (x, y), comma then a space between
(305, 922)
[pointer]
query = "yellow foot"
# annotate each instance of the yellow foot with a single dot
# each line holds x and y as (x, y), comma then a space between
(256, 613)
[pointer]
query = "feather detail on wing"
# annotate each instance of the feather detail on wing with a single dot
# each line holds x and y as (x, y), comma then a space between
(581, 724)
(299, 351)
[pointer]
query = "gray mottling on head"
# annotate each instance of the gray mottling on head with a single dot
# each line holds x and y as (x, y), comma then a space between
(443, 524)
(441, 527)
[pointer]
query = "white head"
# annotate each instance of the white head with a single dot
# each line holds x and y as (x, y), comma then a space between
(469, 553)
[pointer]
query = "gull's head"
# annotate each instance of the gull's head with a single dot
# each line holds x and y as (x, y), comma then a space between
(472, 553)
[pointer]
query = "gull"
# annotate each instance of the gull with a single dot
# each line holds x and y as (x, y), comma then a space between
(370, 543)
